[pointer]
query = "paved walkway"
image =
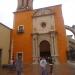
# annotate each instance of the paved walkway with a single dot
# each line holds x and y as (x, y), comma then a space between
(64, 69)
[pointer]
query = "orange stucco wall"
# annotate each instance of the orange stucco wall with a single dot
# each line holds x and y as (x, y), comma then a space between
(61, 34)
(23, 42)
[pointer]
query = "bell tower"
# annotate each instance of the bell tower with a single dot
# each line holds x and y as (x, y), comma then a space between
(25, 4)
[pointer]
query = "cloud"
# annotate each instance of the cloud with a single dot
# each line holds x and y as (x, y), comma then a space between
(7, 7)
(69, 12)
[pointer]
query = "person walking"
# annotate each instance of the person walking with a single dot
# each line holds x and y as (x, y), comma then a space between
(43, 65)
(19, 65)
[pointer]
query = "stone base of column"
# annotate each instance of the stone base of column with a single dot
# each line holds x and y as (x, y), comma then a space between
(55, 59)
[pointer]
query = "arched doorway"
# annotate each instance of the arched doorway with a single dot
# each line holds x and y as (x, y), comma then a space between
(45, 49)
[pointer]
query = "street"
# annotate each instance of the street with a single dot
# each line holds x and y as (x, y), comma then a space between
(64, 69)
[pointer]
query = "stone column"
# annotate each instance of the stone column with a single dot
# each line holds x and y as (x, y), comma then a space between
(35, 49)
(54, 52)
(36, 68)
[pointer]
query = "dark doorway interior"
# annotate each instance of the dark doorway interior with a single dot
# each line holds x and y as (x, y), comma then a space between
(45, 54)
(45, 49)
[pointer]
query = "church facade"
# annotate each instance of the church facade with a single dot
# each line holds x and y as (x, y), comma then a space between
(38, 33)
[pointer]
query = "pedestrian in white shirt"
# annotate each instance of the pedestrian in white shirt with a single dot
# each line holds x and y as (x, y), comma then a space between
(43, 65)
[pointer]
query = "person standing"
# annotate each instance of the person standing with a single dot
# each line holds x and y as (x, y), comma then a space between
(19, 65)
(43, 65)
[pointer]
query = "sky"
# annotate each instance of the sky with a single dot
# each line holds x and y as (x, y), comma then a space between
(7, 7)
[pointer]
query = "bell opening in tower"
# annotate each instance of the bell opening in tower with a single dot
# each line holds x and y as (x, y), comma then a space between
(25, 5)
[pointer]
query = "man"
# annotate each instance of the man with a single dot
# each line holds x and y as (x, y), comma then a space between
(43, 65)
(19, 65)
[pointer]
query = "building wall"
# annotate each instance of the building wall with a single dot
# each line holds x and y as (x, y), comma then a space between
(49, 20)
(23, 42)
(55, 20)
(4, 44)
(44, 33)
(61, 34)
